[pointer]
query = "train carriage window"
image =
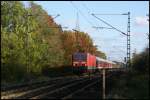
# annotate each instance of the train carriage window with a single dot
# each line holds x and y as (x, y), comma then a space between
(102, 64)
(105, 64)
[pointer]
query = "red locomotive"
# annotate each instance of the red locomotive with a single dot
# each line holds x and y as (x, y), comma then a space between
(85, 62)
(103, 63)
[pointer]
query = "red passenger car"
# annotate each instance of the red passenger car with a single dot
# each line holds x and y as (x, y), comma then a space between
(102, 63)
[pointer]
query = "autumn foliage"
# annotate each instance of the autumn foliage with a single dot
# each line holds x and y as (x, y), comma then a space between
(31, 41)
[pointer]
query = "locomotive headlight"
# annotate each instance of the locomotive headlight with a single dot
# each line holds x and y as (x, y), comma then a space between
(75, 64)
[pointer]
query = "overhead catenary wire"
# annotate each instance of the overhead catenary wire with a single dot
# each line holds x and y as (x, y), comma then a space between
(86, 7)
(111, 27)
(108, 24)
(102, 27)
(104, 14)
(113, 57)
(89, 11)
(90, 23)
(84, 17)
(112, 14)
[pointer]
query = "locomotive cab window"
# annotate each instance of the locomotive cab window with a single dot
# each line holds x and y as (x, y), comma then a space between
(76, 64)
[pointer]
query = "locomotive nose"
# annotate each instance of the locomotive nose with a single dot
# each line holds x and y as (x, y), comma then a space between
(80, 63)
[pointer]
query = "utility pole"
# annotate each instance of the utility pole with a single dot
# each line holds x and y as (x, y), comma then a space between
(148, 32)
(128, 64)
(77, 23)
(77, 30)
(128, 43)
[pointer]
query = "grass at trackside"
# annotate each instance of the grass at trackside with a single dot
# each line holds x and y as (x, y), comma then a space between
(46, 75)
(130, 86)
(58, 71)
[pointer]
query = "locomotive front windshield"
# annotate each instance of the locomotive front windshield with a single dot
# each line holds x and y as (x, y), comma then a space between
(79, 57)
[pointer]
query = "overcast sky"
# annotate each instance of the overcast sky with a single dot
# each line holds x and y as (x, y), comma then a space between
(111, 42)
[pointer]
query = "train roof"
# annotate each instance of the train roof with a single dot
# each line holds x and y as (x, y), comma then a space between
(104, 60)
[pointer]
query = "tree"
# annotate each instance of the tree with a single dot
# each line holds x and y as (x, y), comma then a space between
(31, 41)
(13, 33)
(140, 62)
(78, 42)
(22, 47)
(50, 33)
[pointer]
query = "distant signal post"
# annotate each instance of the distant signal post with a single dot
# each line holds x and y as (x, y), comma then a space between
(104, 83)
(104, 64)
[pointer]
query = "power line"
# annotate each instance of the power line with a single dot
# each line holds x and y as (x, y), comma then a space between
(104, 21)
(90, 23)
(112, 14)
(84, 5)
(81, 13)
(89, 12)
(119, 49)
(77, 23)
(108, 24)
(102, 27)
(128, 33)
(112, 27)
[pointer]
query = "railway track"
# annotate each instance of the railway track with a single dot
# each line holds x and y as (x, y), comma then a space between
(94, 90)
(61, 88)
(12, 91)
(33, 90)
(79, 93)
(66, 91)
